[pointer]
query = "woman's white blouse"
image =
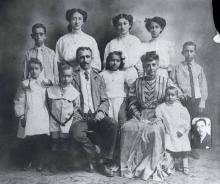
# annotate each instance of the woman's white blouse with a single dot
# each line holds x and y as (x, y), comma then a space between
(164, 48)
(68, 44)
(129, 45)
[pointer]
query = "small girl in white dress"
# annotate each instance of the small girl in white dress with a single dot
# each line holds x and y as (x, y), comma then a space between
(164, 48)
(115, 80)
(176, 119)
(30, 108)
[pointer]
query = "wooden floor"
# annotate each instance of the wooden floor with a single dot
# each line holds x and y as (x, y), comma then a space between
(206, 170)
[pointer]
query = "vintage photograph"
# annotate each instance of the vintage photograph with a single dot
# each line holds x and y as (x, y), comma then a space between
(109, 92)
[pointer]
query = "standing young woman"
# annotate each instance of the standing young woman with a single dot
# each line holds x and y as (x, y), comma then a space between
(164, 48)
(68, 44)
(126, 43)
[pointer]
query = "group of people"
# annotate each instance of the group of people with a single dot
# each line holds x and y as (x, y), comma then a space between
(135, 114)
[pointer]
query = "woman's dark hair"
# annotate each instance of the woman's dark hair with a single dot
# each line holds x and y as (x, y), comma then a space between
(116, 18)
(159, 20)
(69, 14)
(150, 56)
(118, 53)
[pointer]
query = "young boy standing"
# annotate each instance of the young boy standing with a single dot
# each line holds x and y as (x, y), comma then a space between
(42, 53)
(190, 78)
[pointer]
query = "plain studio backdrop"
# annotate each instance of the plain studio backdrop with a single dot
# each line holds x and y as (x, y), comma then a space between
(186, 20)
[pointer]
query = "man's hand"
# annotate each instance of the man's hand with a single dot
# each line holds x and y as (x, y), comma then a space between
(23, 121)
(46, 83)
(179, 134)
(183, 97)
(99, 116)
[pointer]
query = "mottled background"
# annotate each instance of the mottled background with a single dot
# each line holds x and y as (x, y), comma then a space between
(186, 20)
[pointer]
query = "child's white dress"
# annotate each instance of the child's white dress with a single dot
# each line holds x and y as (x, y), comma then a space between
(115, 90)
(63, 102)
(175, 118)
(130, 46)
(165, 50)
(30, 101)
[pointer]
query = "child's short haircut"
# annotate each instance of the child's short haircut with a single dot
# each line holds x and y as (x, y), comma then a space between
(189, 43)
(34, 61)
(171, 88)
(65, 66)
(39, 25)
(118, 53)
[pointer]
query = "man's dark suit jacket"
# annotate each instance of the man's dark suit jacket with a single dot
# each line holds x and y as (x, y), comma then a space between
(99, 96)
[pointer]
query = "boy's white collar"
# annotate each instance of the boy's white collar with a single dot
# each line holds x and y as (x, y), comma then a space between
(41, 47)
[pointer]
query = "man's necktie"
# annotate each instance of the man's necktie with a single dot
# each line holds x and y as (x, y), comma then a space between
(191, 80)
(39, 54)
(86, 73)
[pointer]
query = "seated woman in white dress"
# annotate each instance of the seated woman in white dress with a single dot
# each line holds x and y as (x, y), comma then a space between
(68, 44)
(126, 43)
(164, 48)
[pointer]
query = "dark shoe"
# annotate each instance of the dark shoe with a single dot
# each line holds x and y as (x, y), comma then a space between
(39, 167)
(194, 154)
(104, 169)
(27, 167)
(186, 170)
(53, 169)
(91, 168)
(47, 172)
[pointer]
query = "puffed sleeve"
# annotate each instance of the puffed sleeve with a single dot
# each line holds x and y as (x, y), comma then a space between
(19, 102)
(171, 52)
(58, 51)
(137, 57)
(106, 53)
(96, 63)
